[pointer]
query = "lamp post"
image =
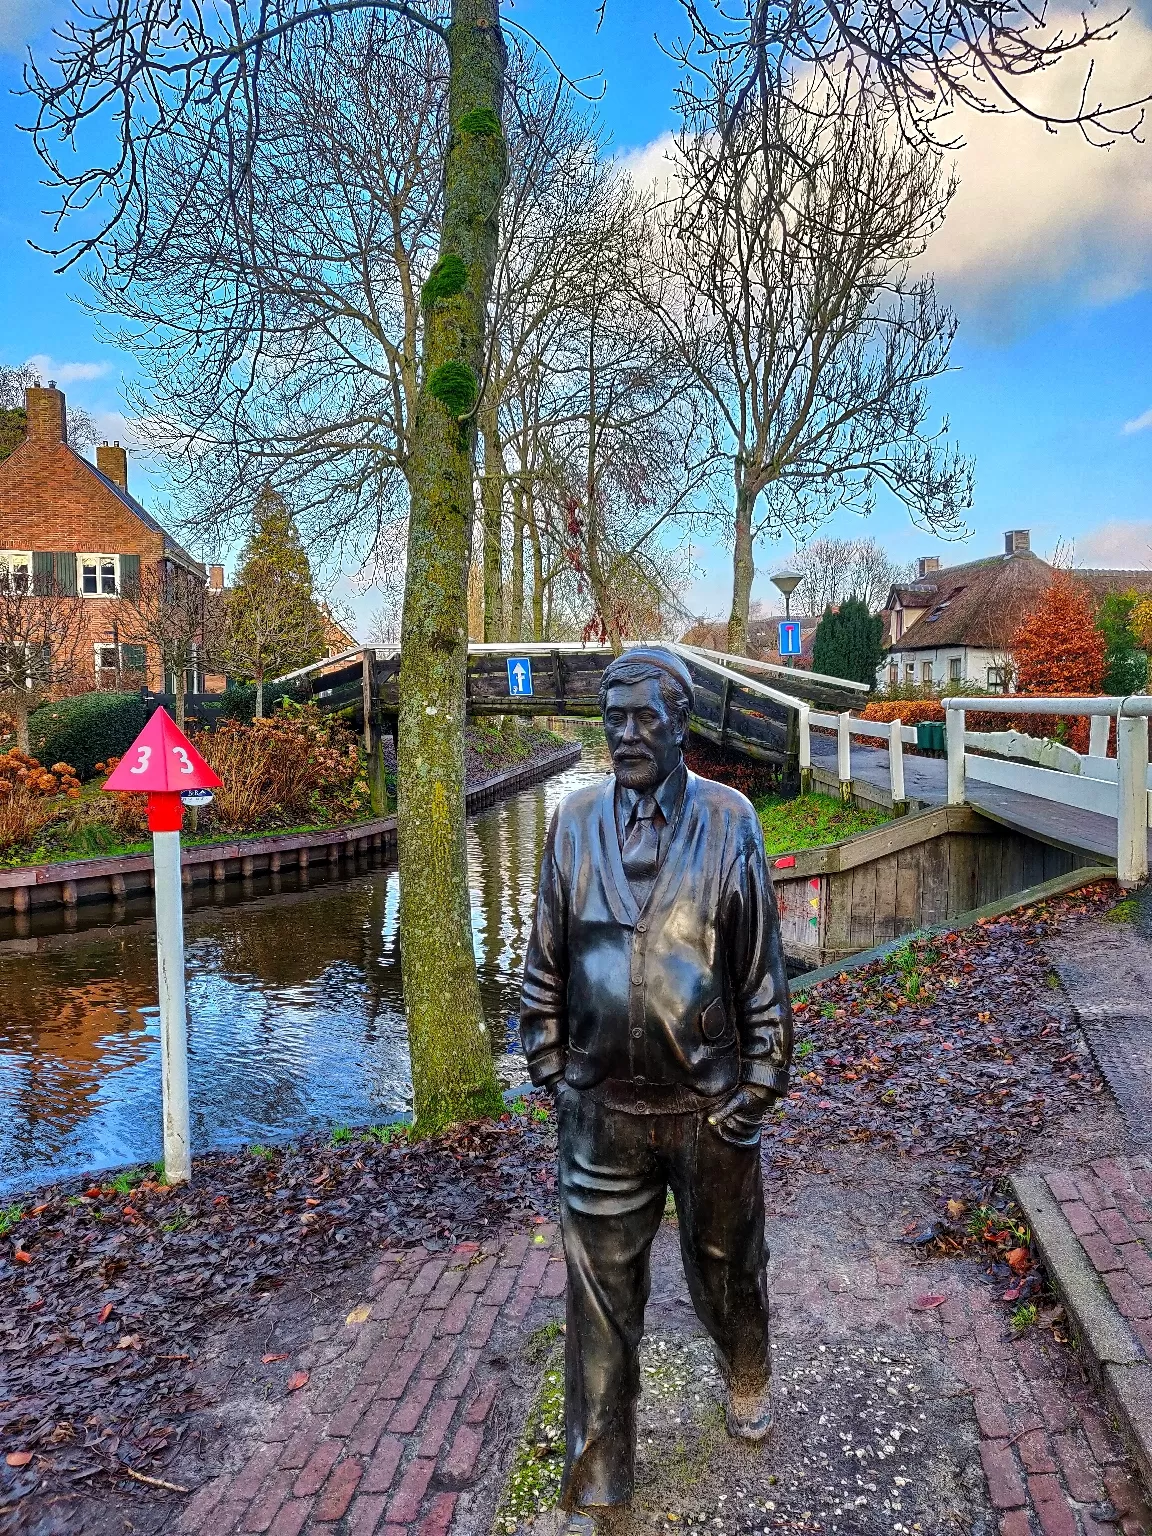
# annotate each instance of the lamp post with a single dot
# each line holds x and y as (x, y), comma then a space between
(787, 582)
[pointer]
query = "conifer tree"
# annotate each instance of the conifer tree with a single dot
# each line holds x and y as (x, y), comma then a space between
(849, 642)
(272, 622)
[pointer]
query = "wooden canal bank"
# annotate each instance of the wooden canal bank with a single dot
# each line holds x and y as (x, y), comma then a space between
(69, 885)
(918, 871)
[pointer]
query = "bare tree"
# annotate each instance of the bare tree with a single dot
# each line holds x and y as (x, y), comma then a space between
(835, 569)
(166, 611)
(43, 634)
(785, 287)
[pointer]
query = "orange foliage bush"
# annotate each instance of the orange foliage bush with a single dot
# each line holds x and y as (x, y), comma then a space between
(28, 796)
(910, 711)
(283, 766)
(1058, 650)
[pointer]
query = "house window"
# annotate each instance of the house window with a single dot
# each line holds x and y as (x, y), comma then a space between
(107, 666)
(119, 666)
(16, 570)
(926, 672)
(899, 622)
(99, 575)
(956, 669)
(998, 679)
(909, 671)
(894, 676)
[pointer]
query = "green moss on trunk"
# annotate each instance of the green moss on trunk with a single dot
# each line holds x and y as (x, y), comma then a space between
(452, 1071)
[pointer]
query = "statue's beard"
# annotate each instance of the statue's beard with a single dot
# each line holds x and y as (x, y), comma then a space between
(636, 770)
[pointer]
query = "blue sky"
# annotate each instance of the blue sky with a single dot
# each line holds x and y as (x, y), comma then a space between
(1046, 257)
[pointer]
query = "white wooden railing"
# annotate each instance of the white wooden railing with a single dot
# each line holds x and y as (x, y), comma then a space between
(1120, 788)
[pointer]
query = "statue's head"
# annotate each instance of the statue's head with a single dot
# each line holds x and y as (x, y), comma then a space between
(645, 700)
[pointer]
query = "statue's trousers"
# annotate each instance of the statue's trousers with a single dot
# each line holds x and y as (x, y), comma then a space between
(615, 1170)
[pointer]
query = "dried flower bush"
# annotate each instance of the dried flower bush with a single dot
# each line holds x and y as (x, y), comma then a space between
(289, 767)
(30, 797)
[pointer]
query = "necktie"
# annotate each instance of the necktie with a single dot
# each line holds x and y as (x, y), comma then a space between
(641, 851)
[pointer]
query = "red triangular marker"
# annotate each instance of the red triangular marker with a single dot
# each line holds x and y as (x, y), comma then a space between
(162, 759)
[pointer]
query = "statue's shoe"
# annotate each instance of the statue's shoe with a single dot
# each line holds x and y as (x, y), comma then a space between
(749, 1415)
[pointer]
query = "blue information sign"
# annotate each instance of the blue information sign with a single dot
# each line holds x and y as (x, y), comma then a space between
(789, 637)
(519, 676)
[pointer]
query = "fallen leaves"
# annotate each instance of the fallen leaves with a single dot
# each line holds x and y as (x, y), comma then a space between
(271, 1359)
(18, 1458)
(929, 1302)
(1019, 1261)
(105, 1312)
(297, 1380)
(359, 1314)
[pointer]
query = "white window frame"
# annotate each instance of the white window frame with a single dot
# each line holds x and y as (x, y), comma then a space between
(909, 671)
(956, 669)
(927, 674)
(1002, 678)
(98, 562)
(104, 645)
(7, 556)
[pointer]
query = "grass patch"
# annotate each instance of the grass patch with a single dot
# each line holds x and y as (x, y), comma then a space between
(9, 1218)
(1126, 911)
(534, 1482)
(387, 1134)
(255, 1149)
(811, 821)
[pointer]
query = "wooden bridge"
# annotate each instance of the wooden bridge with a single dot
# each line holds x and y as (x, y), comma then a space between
(758, 715)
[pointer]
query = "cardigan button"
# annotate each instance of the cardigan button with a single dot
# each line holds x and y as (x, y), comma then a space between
(637, 1034)
(641, 927)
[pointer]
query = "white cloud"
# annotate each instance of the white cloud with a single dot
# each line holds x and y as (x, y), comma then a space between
(22, 21)
(1139, 423)
(1116, 545)
(65, 373)
(1043, 218)
(1040, 219)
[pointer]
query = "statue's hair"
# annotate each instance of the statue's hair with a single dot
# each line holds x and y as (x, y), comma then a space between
(628, 669)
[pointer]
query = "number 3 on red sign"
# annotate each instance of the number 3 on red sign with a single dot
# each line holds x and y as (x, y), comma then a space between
(144, 753)
(185, 760)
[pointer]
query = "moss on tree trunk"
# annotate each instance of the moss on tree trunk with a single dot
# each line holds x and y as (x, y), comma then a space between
(452, 1071)
(743, 570)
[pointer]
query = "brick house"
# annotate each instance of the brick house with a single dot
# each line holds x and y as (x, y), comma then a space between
(66, 520)
(954, 624)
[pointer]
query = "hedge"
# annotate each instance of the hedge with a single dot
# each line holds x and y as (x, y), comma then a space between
(910, 711)
(87, 729)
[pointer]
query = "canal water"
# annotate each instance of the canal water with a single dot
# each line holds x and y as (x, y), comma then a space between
(296, 1018)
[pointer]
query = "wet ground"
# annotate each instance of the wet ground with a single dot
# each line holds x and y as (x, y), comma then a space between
(296, 1019)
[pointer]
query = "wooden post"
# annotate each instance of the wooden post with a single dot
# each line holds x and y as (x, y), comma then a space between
(173, 1009)
(896, 767)
(844, 754)
(1132, 799)
(956, 728)
(805, 752)
(1098, 735)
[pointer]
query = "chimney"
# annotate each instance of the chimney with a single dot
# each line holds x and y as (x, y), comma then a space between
(47, 417)
(216, 578)
(1017, 540)
(112, 461)
(926, 565)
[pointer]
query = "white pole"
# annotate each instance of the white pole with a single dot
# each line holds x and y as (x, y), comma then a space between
(896, 761)
(173, 1015)
(804, 711)
(844, 754)
(956, 727)
(1098, 736)
(1132, 799)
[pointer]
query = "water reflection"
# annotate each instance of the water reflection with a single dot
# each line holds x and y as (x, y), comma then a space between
(294, 999)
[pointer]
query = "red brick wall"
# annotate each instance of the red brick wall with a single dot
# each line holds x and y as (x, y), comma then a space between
(51, 499)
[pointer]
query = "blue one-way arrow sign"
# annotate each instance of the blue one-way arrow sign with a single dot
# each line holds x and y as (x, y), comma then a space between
(519, 676)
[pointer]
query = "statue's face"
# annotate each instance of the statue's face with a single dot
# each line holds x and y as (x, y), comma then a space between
(644, 736)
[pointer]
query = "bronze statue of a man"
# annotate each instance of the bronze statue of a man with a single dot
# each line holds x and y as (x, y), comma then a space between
(655, 1007)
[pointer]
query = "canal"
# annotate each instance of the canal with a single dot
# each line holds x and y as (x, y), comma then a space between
(296, 1018)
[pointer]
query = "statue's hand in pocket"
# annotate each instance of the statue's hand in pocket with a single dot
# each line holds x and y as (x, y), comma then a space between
(741, 1115)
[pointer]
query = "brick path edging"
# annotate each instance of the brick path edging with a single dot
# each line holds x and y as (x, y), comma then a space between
(1093, 1226)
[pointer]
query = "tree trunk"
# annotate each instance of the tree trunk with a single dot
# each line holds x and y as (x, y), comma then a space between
(180, 679)
(452, 1073)
(260, 694)
(516, 617)
(743, 570)
(492, 498)
(17, 707)
(537, 577)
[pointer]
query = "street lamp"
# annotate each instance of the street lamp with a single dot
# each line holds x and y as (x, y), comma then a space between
(787, 582)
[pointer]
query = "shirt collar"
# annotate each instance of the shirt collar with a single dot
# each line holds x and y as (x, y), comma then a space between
(668, 794)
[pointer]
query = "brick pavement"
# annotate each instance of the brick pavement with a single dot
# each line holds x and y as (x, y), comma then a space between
(390, 1428)
(395, 1427)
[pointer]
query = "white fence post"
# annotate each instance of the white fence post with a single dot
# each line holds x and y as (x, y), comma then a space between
(173, 1010)
(955, 728)
(1132, 802)
(896, 766)
(844, 754)
(805, 750)
(1098, 735)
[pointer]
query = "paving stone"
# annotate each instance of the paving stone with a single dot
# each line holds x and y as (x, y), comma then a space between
(409, 1496)
(338, 1490)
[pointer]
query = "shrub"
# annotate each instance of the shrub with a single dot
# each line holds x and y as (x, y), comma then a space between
(29, 797)
(87, 728)
(910, 711)
(287, 766)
